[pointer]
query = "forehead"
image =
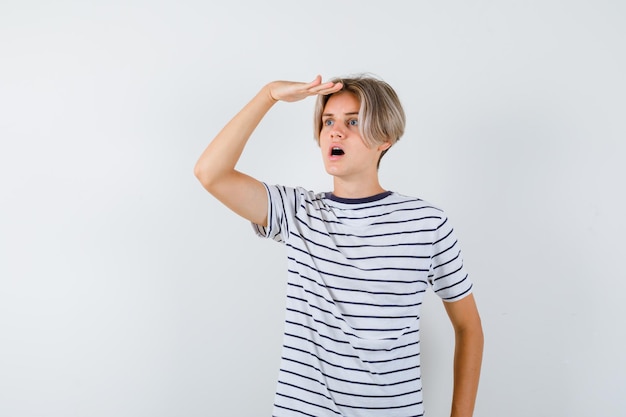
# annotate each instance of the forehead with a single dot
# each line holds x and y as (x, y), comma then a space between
(342, 102)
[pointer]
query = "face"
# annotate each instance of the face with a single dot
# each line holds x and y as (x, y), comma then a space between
(344, 152)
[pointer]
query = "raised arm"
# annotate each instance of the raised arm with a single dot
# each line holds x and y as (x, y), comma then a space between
(215, 168)
(468, 354)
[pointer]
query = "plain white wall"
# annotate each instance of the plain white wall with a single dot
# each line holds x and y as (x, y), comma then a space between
(126, 290)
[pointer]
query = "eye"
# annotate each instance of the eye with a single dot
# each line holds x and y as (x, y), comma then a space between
(328, 122)
(353, 122)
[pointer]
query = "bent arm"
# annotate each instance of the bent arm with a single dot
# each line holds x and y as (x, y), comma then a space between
(215, 168)
(468, 354)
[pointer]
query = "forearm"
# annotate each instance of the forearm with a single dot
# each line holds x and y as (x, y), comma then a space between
(467, 363)
(222, 154)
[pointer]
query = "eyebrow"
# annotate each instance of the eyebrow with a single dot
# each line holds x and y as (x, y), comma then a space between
(352, 113)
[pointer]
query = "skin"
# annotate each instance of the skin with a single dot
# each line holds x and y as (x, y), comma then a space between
(468, 354)
(355, 175)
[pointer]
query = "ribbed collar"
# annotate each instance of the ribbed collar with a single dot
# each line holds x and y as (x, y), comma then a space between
(362, 200)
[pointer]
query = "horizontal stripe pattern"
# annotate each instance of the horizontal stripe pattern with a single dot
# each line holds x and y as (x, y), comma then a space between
(357, 273)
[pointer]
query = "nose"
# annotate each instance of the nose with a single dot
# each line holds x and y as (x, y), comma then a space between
(337, 132)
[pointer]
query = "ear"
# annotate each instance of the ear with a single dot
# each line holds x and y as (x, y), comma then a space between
(384, 146)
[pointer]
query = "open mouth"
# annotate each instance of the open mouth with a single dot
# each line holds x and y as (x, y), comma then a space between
(336, 151)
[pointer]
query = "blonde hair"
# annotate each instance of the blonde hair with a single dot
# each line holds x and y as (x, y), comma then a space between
(381, 116)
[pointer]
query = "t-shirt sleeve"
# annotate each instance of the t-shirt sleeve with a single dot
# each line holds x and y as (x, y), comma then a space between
(448, 276)
(280, 204)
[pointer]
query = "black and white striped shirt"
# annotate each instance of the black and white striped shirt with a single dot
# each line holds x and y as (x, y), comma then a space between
(357, 273)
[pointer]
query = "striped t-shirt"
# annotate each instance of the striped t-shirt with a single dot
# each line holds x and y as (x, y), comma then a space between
(357, 273)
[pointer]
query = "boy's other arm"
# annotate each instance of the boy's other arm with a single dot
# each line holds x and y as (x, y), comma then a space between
(468, 353)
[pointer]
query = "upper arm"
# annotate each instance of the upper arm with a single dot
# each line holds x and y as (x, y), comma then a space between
(243, 194)
(464, 314)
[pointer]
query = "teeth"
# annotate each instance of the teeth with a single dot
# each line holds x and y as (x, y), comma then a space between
(336, 151)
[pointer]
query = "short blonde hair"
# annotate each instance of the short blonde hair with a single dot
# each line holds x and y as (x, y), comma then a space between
(381, 116)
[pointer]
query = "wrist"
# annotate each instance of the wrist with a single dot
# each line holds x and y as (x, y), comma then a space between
(267, 89)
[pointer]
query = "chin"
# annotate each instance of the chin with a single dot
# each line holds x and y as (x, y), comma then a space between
(331, 170)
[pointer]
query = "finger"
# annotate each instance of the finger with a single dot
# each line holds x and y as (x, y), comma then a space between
(316, 82)
(329, 88)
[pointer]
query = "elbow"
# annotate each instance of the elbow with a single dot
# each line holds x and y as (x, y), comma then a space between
(204, 176)
(213, 178)
(198, 171)
(472, 335)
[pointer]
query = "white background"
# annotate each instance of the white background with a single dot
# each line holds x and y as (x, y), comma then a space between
(126, 290)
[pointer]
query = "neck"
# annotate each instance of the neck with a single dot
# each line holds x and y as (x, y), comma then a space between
(346, 189)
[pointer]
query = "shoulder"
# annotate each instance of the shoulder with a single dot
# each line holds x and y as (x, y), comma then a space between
(405, 202)
(294, 194)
